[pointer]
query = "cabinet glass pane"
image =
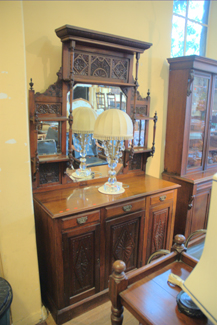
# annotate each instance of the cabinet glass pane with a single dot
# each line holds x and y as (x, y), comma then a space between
(212, 154)
(197, 124)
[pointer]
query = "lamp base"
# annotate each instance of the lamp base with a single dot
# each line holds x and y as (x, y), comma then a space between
(187, 306)
(79, 173)
(107, 188)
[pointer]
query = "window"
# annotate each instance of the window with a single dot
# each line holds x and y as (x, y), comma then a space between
(189, 27)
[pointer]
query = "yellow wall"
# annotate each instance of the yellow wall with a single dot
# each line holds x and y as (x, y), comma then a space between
(29, 42)
(17, 231)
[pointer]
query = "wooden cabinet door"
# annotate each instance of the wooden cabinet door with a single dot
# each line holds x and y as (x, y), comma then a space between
(81, 263)
(124, 239)
(200, 210)
(158, 231)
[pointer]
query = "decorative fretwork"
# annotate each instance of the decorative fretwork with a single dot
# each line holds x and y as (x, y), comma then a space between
(120, 69)
(159, 231)
(49, 173)
(82, 263)
(55, 90)
(136, 162)
(81, 64)
(140, 109)
(51, 108)
(100, 66)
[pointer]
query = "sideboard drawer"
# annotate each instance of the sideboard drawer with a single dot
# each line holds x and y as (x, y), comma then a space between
(81, 219)
(128, 206)
(162, 197)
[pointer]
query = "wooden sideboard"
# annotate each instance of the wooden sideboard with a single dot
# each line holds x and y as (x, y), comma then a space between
(81, 232)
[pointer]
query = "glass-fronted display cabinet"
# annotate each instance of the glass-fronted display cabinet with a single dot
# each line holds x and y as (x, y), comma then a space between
(191, 138)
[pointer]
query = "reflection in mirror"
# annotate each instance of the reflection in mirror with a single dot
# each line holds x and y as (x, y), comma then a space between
(49, 138)
(100, 97)
(139, 133)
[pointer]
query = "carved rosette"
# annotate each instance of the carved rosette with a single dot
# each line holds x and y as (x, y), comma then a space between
(100, 66)
(124, 247)
(48, 108)
(124, 238)
(49, 173)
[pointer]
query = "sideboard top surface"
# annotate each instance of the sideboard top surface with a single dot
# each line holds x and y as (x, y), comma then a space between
(70, 201)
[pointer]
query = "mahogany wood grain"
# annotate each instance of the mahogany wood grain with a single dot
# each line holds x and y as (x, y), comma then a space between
(75, 200)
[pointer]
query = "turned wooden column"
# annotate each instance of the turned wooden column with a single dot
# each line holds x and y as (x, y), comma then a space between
(117, 283)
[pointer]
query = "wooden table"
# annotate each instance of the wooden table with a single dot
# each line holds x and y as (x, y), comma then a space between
(148, 295)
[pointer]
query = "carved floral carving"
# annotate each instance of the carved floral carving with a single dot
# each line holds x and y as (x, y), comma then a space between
(48, 108)
(100, 66)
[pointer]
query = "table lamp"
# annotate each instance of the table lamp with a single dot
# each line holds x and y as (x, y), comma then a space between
(83, 126)
(112, 127)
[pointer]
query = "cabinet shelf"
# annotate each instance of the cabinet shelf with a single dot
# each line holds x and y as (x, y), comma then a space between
(50, 119)
(51, 159)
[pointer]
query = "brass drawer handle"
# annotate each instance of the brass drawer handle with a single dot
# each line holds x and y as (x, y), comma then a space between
(82, 220)
(127, 208)
(163, 198)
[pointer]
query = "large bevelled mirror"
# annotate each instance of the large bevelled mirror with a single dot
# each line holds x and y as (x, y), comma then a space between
(99, 98)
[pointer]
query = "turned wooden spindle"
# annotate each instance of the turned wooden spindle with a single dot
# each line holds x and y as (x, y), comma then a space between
(117, 283)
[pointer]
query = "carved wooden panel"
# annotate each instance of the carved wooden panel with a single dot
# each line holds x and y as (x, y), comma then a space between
(49, 108)
(158, 229)
(123, 241)
(81, 248)
(100, 66)
(81, 263)
(120, 69)
(81, 64)
(49, 173)
(140, 109)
